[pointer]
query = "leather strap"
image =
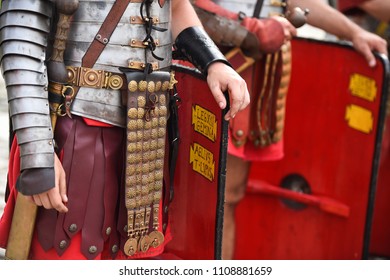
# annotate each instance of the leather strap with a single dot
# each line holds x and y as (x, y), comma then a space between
(104, 34)
(259, 5)
(99, 43)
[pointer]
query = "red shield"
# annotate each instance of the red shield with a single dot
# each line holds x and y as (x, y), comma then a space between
(316, 203)
(199, 180)
(380, 241)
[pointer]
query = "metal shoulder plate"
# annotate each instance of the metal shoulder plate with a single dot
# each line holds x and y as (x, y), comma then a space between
(24, 29)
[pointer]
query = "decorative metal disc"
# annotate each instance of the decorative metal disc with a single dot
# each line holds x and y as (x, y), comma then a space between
(157, 238)
(145, 243)
(130, 247)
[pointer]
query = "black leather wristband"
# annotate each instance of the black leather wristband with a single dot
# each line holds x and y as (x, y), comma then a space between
(35, 181)
(197, 47)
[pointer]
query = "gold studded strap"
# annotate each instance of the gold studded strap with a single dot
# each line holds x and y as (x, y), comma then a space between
(282, 93)
(270, 111)
(147, 113)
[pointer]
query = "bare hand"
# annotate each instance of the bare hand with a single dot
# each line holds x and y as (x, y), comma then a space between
(56, 197)
(289, 30)
(366, 42)
(223, 78)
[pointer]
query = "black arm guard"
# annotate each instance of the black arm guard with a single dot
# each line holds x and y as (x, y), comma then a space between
(197, 47)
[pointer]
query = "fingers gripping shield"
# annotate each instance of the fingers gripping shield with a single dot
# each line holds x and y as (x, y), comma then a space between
(147, 113)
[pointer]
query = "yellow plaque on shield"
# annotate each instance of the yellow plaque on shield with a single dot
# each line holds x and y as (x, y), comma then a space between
(202, 161)
(359, 118)
(363, 87)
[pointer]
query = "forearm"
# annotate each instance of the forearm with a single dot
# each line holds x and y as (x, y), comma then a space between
(379, 9)
(183, 16)
(323, 16)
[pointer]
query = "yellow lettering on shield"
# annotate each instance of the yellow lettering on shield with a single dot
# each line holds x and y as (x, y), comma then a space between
(359, 118)
(363, 87)
(204, 122)
(202, 161)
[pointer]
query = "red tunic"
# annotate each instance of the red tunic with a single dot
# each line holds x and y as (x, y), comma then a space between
(101, 209)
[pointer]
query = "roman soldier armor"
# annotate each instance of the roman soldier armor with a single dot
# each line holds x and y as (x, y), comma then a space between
(99, 66)
(235, 27)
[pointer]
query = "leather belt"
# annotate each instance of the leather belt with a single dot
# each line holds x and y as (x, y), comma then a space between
(94, 78)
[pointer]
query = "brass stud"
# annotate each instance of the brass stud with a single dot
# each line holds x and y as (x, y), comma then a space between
(130, 193)
(151, 86)
(92, 249)
(162, 121)
(163, 99)
(132, 86)
(114, 248)
(73, 228)
(159, 175)
(141, 101)
(132, 125)
(161, 132)
(131, 204)
(165, 86)
(158, 85)
(141, 113)
(132, 136)
(162, 111)
(91, 77)
(132, 147)
(159, 164)
(240, 133)
(63, 244)
(154, 123)
(142, 85)
(132, 113)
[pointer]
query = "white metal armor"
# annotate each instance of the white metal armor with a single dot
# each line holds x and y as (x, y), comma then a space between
(124, 49)
(269, 7)
(25, 33)
(24, 38)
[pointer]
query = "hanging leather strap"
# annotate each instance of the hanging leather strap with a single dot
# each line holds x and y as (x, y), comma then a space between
(104, 34)
(259, 5)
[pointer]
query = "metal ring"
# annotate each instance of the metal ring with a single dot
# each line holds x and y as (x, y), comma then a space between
(64, 89)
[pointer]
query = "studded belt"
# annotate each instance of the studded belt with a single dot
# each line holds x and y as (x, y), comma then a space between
(93, 78)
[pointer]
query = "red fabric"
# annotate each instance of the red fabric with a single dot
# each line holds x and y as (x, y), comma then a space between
(269, 32)
(13, 173)
(249, 152)
(344, 5)
(96, 123)
(211, 7)
(73, 252)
